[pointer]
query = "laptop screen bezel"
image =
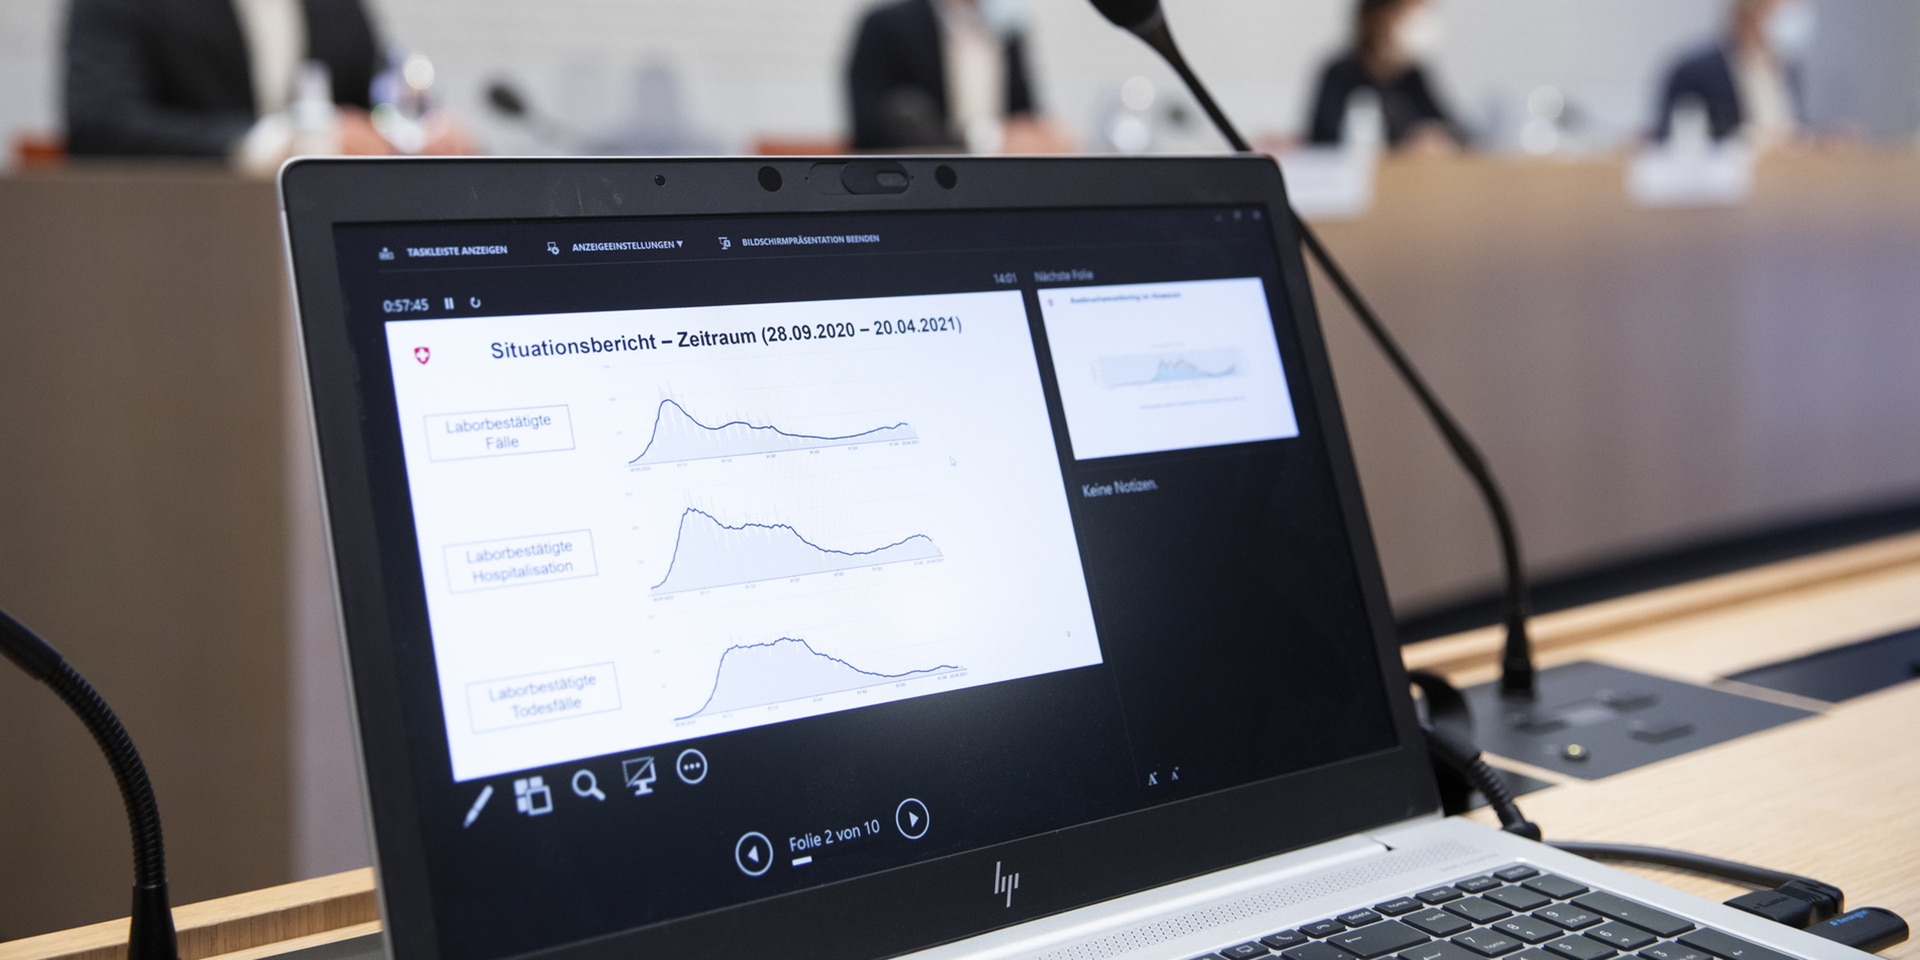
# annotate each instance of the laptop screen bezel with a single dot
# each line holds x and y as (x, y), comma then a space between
(945, 898)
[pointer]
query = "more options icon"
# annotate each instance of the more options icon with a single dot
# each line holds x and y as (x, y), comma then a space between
(692, 766)
(753, 853)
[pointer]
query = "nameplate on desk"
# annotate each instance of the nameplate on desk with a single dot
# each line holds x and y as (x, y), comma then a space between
(1663, 177)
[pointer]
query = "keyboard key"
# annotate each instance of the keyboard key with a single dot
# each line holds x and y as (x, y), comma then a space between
(1528, 929)
(1378, 939)
(1580, 948)
(1672, 951)
(1208, 956)
(1398, 906)
(1640, 915)
(1317, 951)
(1359, 918)
(1729, 947)
(1284, 940)
(1441, 950)
(1479, 911)
(1438, 922)
(1323, 928)
(1558, 888)
(1620, 936)
(1243, 951)
(1519, 898)
(1516, 873)
(1438, 895)
(1476, 884)
(1568, 915)
(1487, 943)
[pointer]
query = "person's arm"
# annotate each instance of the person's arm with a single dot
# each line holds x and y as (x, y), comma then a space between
(868, 80)
(1019, 84)
(1329, 106)
(1670, 93)
(1428, 108)
(110, 99)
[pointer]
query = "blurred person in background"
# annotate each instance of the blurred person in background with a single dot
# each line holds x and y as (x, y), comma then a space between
(219, 78)
(945, 74)
(1391, 38)
(1748, 82)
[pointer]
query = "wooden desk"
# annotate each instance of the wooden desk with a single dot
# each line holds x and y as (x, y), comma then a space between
(1849, 779)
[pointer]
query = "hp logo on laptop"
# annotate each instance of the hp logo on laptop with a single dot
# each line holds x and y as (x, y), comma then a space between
(1005, 883)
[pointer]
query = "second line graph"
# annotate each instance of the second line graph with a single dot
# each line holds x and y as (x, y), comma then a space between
(708, 553)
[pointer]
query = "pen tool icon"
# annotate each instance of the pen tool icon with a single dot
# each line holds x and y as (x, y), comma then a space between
(473, 812)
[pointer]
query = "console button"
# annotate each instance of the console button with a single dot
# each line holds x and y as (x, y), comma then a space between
(911, 818)
(753, 853)
(691, 766)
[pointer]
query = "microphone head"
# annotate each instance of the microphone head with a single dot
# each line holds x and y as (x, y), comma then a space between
(1131, 15)
(506, 98)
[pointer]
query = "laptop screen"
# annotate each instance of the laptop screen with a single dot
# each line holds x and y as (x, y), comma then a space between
(748, 555)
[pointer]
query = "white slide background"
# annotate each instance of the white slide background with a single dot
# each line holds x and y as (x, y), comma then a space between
(1000, 596)
(1167, 366)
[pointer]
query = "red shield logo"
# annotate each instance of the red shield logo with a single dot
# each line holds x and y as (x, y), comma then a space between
(422, 354)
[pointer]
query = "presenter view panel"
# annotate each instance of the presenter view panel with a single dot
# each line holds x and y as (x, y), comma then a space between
(760, 554)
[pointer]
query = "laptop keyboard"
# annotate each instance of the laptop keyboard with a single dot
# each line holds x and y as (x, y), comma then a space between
(1516, 913)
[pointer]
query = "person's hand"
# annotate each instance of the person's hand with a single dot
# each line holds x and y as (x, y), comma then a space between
(358, 138)
(1035, 135)
(1429, 139)
(1276, 144)
(447, 138)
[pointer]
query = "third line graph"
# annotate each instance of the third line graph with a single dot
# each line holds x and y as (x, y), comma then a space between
(763, 674)
(708, 553)
(679, 437)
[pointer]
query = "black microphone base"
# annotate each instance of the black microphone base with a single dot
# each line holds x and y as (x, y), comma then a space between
(150, 935)
(1590, 720)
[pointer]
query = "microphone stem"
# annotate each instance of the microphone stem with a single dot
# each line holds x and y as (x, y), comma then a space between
(151, 933)
(1516, 662)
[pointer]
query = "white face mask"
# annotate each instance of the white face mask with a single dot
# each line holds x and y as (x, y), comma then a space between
(1418, 34)
(1004, 16)
(1790, 29)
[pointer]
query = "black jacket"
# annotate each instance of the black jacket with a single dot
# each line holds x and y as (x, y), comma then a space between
(897, 79)
(172, 77)
(1706, 75)
(1405, 102)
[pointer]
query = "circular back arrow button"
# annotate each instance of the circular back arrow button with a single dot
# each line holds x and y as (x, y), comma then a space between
(753, 853)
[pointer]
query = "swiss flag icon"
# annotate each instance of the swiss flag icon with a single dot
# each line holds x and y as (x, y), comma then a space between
(422, 354)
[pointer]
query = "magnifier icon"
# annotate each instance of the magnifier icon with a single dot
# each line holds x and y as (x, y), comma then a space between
(585, 784)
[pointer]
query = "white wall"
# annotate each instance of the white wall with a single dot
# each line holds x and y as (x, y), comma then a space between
(750, 67)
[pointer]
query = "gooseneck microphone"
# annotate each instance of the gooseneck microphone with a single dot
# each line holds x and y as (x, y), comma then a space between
(1146, 20)
(507, 100)
(151, 934)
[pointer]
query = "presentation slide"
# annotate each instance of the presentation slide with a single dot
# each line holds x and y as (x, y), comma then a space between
(640, 527)
(1167, 366)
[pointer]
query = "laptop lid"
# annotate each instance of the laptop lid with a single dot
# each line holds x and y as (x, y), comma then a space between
(836, 558)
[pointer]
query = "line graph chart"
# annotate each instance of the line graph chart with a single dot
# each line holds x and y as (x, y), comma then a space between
(680, 437)
(1143, 369)
(708, 553)
(763, 674)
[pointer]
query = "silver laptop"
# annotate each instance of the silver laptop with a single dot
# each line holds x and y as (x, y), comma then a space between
(828, 558)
